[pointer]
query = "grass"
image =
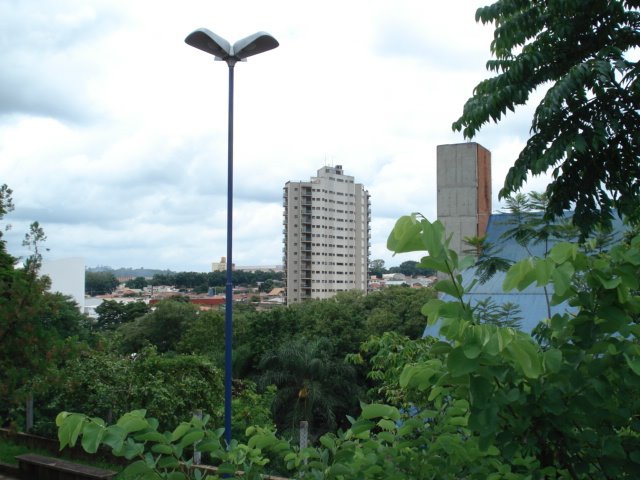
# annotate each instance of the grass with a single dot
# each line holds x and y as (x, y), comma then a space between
(9, 450)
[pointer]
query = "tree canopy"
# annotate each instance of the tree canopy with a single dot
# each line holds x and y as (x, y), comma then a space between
(585, 128)
(99, 283)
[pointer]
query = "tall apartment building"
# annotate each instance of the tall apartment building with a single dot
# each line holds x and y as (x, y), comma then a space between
(326, 235)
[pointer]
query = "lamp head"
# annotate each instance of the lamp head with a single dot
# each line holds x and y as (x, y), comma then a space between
(253, 45)
(209, 42)
(215, 45)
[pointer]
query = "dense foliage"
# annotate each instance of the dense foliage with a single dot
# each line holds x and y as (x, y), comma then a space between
(99, 283)
(112, 314)
(585, 127)
(482, 401)
(37, 329)
(203, 281)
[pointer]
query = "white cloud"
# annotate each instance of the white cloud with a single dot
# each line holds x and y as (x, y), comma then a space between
(113, 131)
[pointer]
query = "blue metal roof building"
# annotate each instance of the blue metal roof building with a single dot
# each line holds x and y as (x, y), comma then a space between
(532, 301)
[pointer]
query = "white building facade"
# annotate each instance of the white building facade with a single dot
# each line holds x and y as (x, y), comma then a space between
(326, 236)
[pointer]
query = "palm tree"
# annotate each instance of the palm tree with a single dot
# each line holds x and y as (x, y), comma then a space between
(312, 384)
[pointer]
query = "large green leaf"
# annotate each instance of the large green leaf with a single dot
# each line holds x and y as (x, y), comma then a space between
(526, 356)
(480, 391)
(70, 429)
(448, 287)
(92, 434)
(362, 426)
(152, 436)
(163, 449)
(432, 235)
(405, 236)
(138, 469)
(459, 364)
(180, 430)
(133, 421)
(379, 410)
(191, 437)
(431, 310)
(438, 264)
(520, 275)
(633, 362)
(114, 437)
(561, 252)
(552, 360)
(176, 476)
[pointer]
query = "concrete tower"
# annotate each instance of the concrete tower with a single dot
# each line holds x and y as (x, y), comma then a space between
(464, 191)
(326, 235)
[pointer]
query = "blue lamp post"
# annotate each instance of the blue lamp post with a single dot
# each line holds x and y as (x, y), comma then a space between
(217, 46)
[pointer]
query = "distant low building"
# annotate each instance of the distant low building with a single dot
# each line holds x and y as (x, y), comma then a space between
(221, 266)
(260, 268)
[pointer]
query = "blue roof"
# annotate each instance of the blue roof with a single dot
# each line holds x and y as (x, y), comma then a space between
(531, 301)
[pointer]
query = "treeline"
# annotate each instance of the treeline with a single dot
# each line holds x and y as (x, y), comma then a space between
(191, 280)
(100, 283)
(289, 363)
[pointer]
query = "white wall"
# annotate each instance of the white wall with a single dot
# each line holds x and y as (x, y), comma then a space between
(67, 277)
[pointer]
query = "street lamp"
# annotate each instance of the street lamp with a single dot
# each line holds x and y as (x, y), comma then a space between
(217, 46)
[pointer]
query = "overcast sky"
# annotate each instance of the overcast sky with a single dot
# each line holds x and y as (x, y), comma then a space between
(113, 131)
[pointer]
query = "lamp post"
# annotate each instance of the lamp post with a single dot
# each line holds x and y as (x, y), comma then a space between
(217, 46)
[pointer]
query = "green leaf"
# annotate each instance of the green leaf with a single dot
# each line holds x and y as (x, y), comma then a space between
(526, 357)
(448, 287)
(480, 390)
(151, 436)
(386, 424)
(137, 469)
(431, 310)
(439, 265)
(61, 417)
(180, 431)
(562, 276)
(210, 445)
(328, 442)
(466, 262)
(432, 235)
(417, 376)
(176, 476)
(543, 270)
(262, 441)
(92, 434)
(520, 275)
(362, 426)
(114, 437)
(458, 421)
(131, 449)
(191, 438)
(70, 429)
(338, 470)
(379, 410)
(634, 363)
(133, 421)
(552, 360)
(163, 449)
(440, 348)
(168, 462)
(459, 364)
(561, 252)
(405, 236)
